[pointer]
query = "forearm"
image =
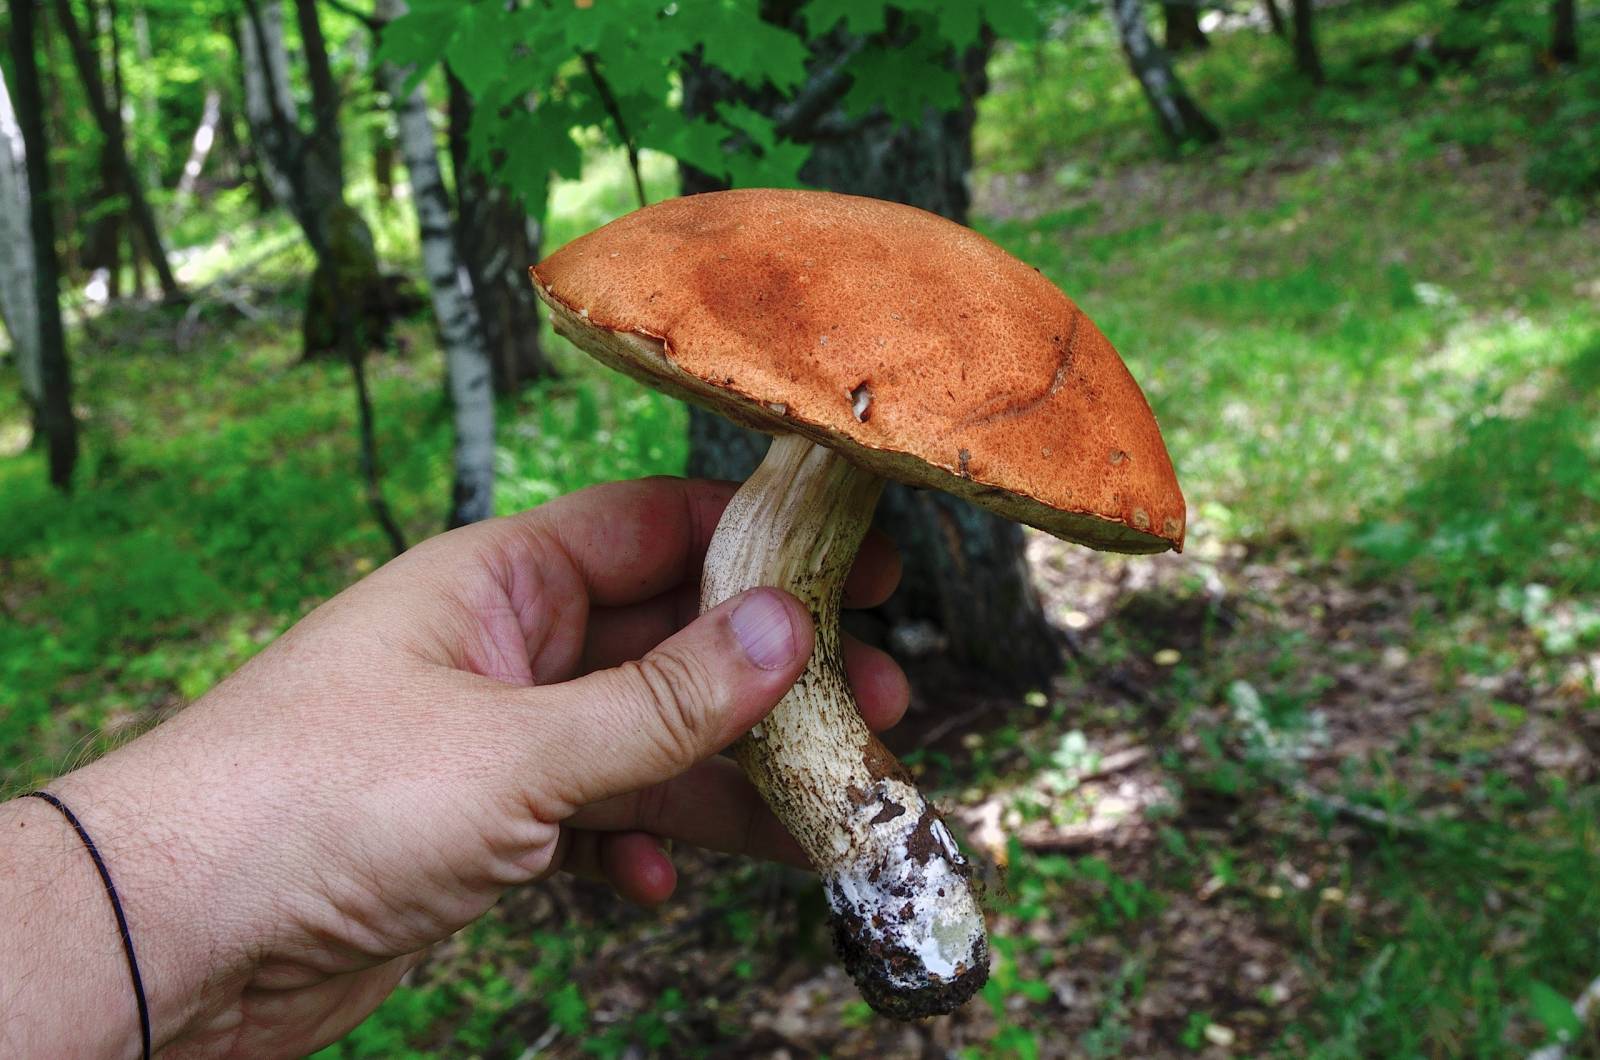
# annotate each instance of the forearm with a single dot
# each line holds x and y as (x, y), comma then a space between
(65, 985)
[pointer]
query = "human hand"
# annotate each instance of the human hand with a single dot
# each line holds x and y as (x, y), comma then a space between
(501, 702)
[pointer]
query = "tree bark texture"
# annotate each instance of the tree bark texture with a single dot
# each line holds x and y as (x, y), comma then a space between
(55, 410)
(1564, 31)
(348, 305)
(205, 137)
(964, 570)
(1183, 28)
(18, 300)
(498, 241)
(1306, 58)
(264, 66)
(1179, 116)
(471, 389)
(109, 120)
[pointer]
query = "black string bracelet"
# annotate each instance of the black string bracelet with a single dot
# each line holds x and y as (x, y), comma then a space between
(116, 907)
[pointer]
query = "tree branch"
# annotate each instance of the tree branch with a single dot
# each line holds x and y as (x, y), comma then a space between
(609, 101)
(819, 95)
(373, 23)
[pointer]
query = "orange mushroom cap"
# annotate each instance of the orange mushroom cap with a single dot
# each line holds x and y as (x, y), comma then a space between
(911, 344)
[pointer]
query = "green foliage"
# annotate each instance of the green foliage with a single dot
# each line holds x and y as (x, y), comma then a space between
(1568, 157)
(539, 80)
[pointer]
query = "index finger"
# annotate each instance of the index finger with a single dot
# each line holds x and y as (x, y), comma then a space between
(631, 541)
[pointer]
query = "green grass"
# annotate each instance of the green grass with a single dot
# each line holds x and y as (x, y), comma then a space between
(1341, 327)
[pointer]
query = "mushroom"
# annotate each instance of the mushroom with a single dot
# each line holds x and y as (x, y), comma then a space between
(873, 341)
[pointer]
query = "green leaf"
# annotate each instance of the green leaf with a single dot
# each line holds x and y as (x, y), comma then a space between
(568, 1010)
(420, 37)
(1013, 19)
(1034, 990)
(480, 51)
(697, 143)
(761, 129)
(862, 17)
(740, 44)
(958, 20)
(1554, 1011)
(777, 168)
(905, 81)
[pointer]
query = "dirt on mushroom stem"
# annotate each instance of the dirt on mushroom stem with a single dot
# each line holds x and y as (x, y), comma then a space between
(906, 921)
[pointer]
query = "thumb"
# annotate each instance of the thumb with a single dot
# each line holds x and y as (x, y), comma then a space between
(644, 722)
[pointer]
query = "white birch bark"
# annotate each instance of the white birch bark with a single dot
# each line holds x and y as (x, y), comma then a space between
(260, 84)
(199, 148)
(466, 357)
(1180, 117)
(18, 305)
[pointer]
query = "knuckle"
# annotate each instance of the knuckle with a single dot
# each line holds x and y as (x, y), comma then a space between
(679, 693)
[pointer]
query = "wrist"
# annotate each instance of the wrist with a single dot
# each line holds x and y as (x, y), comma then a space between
(159, 822)
(61, 950)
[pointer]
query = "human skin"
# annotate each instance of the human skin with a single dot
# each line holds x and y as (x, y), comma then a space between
(524, 696)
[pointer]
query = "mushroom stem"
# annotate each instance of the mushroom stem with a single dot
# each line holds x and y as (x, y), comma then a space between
(905, 919)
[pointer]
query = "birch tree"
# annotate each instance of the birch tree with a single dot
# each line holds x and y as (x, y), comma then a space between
(17, 298)
(55, 417)
(466, 360)
(498, 241)
(346, 297)
(1179, 116)
(264, 66)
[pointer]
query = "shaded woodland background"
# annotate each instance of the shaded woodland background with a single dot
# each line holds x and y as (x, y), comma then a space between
(1324, 785)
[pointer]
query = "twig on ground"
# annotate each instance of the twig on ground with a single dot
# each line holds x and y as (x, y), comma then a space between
(541, 1043)
(949, 725)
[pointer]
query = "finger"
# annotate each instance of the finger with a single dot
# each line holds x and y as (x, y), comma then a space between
(876, 573)
(881, 689)
(619, 634)
(634, 864)
(643, 722)
(637, 867)
(629, 541)
(711, 806)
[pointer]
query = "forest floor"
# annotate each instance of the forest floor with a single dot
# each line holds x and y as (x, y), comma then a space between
(1325, 784)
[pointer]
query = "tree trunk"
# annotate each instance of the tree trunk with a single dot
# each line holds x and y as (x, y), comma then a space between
(18, 300)
(205, 136)
(55, 417)
(1564, 31)
(1275, 17)
(471, 390)
(264, 66)
(1306, 59)
(964, 570)
(110, 124)
(498, 241)
(1183, 28)
(348, 306)
(1179, 116)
